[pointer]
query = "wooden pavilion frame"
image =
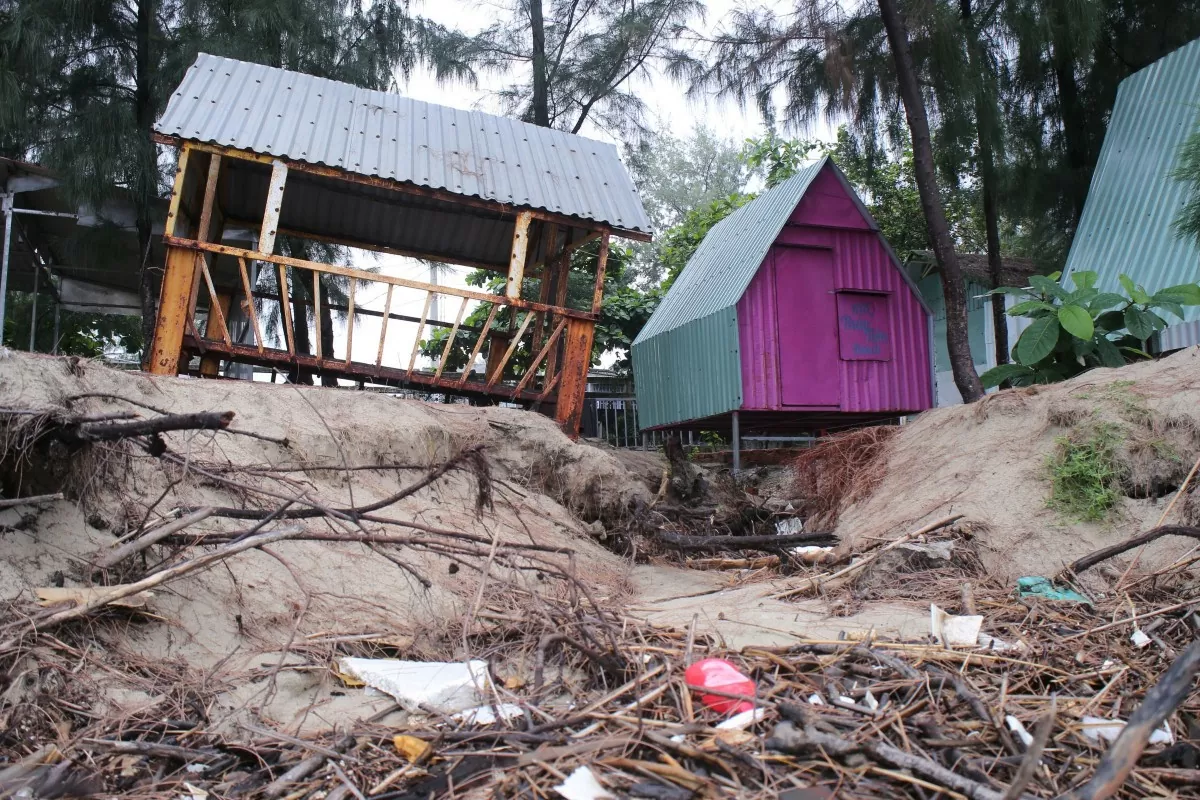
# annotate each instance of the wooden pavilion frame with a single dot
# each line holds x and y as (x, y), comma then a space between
(560, 338)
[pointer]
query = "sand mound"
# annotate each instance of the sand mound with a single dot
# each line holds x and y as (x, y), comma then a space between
(990, 462)
(229, 624)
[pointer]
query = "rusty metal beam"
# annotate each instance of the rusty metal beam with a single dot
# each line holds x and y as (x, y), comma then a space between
(577, 358)
(357, 371)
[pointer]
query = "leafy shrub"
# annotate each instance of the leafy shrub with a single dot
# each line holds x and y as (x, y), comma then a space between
(1076, 329)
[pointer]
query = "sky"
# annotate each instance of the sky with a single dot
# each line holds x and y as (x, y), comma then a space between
(670, 109)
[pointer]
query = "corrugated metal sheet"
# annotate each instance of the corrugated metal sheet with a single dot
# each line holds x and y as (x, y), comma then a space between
(318, 121)
(725, 262)
(1127, 222)
(861, 262)
(685, 373)
(681, 331)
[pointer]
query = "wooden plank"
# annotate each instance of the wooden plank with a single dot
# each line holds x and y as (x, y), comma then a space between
(532, 371)
(317, 311)
(487, 326)
(516, 264)
(210, 365)
(450, 339)
(560, 300)
(544, 288)
(350, 323)
(249, 304)
(412, 361)
(494, 378)
(601, 266)
(288, 332)
(214, 306)
(177, 190)
(270, 220)
(577, 358)
(550, 387)
(210, 195)
(387, 311)
(363, 275)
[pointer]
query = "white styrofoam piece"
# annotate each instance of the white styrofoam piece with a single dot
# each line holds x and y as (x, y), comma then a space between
(743, 720)
(954, 631)
(582, 785)
(486, 715)
(1139, 638)
(1016, 726)
(445, 686)
(1099, 729)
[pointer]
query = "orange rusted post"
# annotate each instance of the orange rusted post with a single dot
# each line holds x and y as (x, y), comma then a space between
(178, 279)
(577, 358)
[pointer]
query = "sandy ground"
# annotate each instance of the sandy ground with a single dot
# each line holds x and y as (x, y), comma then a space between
(987, 461)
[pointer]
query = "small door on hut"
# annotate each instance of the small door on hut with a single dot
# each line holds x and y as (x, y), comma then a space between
(806, 314)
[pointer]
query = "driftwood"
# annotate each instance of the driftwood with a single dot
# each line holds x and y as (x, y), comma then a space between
(1092, 559)
(139, 544)
(1162, 699)
(9, 502)
(110, 431)
(681, 541)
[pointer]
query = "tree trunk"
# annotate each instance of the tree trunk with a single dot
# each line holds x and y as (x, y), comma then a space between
(1071, 111)
(541, 103)
(326, 333)
(147, 167)
(957, 342)
(985, 121)
(301, 288)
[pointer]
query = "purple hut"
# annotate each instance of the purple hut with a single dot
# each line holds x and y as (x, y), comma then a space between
(793, 315)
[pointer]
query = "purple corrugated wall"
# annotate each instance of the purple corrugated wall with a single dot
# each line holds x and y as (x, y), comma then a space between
(826, 218)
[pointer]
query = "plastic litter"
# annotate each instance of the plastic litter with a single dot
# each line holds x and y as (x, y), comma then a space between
(1037, 586)
(1099, 729)
(486, 715)
(410, 747)
(717, 673)
(954, 631)
(743, 720)
(789, 525)
(1139, 638)
(445, 686)
(1016, 726)
(582, 785)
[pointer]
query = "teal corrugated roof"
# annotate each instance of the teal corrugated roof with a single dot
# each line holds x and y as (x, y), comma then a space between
(1127, 224)
(723, 265)
(686, 360)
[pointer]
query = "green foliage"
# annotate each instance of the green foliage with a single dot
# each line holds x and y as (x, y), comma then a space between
(678, 244)
(1187, 170)
(1085, 473)
(80, 334)
(779, 158)
(1078, 327)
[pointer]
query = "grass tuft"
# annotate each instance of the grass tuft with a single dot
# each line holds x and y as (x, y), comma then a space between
(1085, 473)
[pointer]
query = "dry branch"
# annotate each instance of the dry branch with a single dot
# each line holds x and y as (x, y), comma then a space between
(1092, 559)
(769, 542)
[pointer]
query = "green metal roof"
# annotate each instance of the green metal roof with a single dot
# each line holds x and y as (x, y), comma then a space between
(1127, 224)
(686, 360)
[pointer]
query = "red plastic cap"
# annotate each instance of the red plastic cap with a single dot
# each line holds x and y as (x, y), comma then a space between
(719, 674)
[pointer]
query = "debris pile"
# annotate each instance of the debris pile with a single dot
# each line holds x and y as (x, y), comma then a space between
(222, 590)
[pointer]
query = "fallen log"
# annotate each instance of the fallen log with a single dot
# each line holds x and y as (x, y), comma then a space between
(683, 541)
(1092, 559)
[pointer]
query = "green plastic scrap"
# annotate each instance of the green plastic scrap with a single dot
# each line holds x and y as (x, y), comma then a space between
(1037, 586)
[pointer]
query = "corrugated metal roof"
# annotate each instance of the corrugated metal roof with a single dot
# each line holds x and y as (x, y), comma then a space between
(1127, 224)
(723, 265)
(302, 118)
(686, 359)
